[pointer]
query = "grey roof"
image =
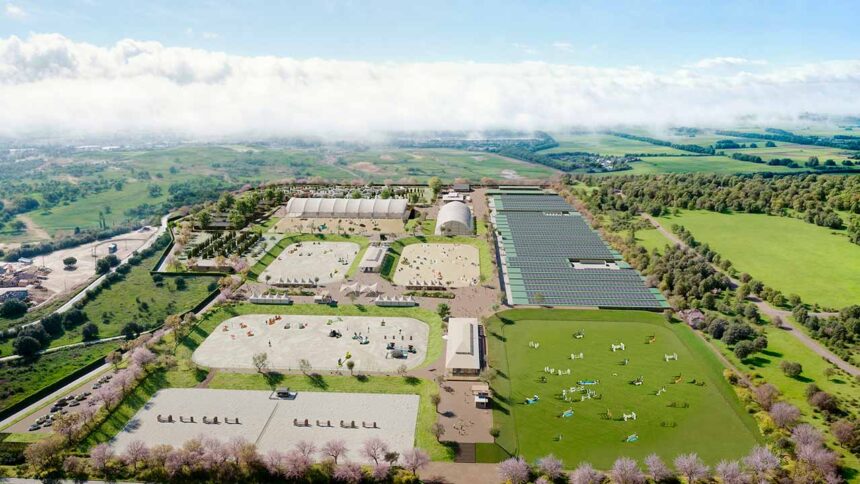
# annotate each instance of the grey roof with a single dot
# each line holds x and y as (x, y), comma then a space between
(346, 207)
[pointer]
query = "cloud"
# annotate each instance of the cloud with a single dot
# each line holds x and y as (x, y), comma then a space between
(53, 86)
(563, 46)
(210, 36)
(717, 62)
(14, 11)
(525, 49)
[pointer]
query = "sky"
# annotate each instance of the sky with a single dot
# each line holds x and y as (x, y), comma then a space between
(349, 68)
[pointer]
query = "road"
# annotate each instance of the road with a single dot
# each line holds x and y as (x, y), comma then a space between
(764, 308)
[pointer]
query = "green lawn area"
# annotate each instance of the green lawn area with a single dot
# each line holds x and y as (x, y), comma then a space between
(764, 368)
(606, 144)
(288, 240)
(651, 239)
(696, 164)
(22, 379)
(818, 264)
(396, 248)
(707, 419)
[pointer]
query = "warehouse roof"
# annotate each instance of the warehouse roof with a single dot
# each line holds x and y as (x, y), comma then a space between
(463, 349)
(347, 207)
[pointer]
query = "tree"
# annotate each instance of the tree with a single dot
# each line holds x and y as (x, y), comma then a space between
(657, 468)
(131, 330)
(625, 471)
(67, 424)
(691, 467)
(374, 449)
(142, 356)
(102, 266)
(730, 472)
(765, 395)
(438, 430)
(847, 433)
(414, 459)
(12, 308)
(443, 310)
(551, 467)
(824, 402)
(114, 358)
(743, 349)
(70, 262)
(435, 184)
(334, 449)
(784, 414)
(135, 452)
(261, 362)
(26, 346)
(305, 366)
(350, 365)
(44, 456)
(350, 473)
(90, 332)
(762, 463)
(181, 284)
(100, 457)
(514, 470)
(586, 474)
(53, 324)
(790, 368)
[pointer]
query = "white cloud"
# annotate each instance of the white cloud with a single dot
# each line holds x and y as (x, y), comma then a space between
(525, 49)
(716, 62)
(209, 36)
(51, 85)
(563, 46)
(14, 11)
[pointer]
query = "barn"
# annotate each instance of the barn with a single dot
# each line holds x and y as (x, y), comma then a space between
(454, 218)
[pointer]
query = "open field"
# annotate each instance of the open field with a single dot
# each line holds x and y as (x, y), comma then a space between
(651, 239)
(275, 252)
(289, 339)
(323, 262)
(606, 144)
(696, 164)
(798, 153)
(455, 265)
(392, 260)
(705, 417)
(764, 367)
(270, 422)
(816, 263)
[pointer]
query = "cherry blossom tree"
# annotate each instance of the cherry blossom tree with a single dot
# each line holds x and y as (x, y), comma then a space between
(657, 468)
(75, 467)
(626, 471)
(691, 467)
(296, 464)
(275, 462)
(586, 474)
(805, 434)
(350, 473)
(142, 356)
(334, 449)
(817, 459)
(784, 414)
(551, 467)
(414, 459)
(44, 456)
(765, 395)
(307, 449)
(381, 471)
(762, 463)
(514, 470)
(135, 452)
(729, 472)
(100, 457)
(374, 449)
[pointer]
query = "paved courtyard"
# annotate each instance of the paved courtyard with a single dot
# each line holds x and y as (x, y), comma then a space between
(455, 265)
(235, 341)
(355, 226)
(328, 261)
(269, 422)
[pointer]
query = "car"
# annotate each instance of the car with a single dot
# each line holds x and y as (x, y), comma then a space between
(61, 403)
(80, 397)
(55, 409)
(34, 427)
(75, 403)
(97, 386)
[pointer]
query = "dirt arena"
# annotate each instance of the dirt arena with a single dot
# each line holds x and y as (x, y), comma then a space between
(234, 342)
(455, 265)
(271, 422)
(328, 261)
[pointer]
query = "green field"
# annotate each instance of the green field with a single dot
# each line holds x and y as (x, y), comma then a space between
(697, 164)
(607, 144)
(706, 419)
(818, 264)
(798, 153)
(651, 239)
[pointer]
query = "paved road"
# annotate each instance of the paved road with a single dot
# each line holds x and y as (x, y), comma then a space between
(788, 324)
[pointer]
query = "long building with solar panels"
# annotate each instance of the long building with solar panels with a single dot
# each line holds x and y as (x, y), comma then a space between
(551, 256)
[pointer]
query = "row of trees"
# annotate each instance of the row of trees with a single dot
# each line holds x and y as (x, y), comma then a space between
(839, 141)
(818, 197)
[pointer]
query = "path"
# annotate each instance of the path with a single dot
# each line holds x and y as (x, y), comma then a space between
(458, 472)
(33, 229)
(765, 308)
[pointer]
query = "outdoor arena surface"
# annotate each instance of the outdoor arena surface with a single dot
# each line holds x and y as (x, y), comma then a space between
(354, 226)
(329, 261)
(456, 265)
(233, 348)
(269, 422)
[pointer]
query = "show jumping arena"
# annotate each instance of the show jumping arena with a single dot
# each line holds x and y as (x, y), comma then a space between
(454, 265)
(273, 424)
(287, 339)
(328, 261)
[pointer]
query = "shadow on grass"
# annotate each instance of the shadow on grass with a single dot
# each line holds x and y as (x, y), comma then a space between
(411, 380)
(273, 378)
(318, 381)
(774, 354)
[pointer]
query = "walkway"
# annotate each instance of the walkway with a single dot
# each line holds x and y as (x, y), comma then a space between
(764, 308)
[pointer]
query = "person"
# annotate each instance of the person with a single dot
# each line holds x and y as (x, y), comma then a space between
(270, 343)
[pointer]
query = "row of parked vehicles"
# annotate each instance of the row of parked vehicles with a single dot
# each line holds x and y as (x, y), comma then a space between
(63, 405)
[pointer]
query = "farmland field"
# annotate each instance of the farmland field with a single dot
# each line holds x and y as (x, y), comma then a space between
(606, 144)
(699, 413)
(818, 264)
(696, 164)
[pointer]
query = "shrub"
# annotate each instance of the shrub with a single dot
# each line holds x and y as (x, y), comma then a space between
(26, 346)
(13, 308)
(791, 368)
(743, 349)
(90, 332)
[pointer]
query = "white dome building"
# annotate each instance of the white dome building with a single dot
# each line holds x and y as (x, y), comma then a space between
(455, 218)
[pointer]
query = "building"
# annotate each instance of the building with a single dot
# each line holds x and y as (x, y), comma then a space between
(376, 208)
(454, 218)
(461, 187)
(373, 258)
(463, 357)
(7, 293)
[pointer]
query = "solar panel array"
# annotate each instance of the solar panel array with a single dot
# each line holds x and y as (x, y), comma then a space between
(542, 236)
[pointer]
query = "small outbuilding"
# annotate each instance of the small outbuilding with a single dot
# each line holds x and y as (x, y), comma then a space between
(463, 353)
(454, 218)
(373, 258)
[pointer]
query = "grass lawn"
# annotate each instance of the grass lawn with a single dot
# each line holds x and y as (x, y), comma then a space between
(651, 239)
(393, 257)
(818, 264)
(696, 164)
(18, 380)
(344, 383)
(707, 419)
(606, 144)
(763, 367)
(288, 240)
